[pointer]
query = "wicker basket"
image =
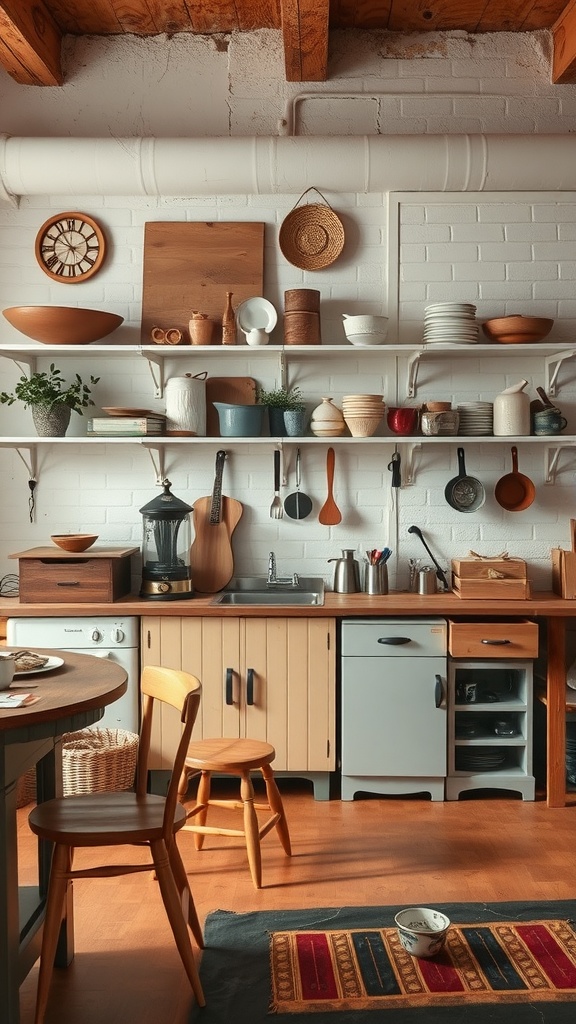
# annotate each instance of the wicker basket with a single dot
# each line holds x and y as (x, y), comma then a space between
(312, 236)
(26, 788)
(98, 760)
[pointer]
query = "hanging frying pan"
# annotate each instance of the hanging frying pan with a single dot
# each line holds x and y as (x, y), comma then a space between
(514, 491)
(464, 493)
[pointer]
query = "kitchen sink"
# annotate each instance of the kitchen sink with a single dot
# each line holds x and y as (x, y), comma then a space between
(254, 590)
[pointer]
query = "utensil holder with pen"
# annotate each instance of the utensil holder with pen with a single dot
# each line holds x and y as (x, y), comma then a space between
(375, 578)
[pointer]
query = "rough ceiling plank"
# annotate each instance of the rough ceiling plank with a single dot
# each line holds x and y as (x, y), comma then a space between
(564, 36)
(30, 43)
(305, 36)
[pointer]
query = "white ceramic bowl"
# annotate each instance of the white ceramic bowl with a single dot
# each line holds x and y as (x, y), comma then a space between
(422, 931)
(363, 340)
(364, 324)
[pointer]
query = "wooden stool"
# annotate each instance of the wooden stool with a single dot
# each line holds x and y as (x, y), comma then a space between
(235, 757)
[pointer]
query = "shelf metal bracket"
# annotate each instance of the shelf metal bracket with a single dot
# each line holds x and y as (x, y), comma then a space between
(158, 378)
(408, 464)
(413, 367)
(156, 453)
(551, 458)
(283, 370)
(555, 361)
(24, 361)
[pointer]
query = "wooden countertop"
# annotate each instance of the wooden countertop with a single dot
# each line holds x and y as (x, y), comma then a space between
(543, 604)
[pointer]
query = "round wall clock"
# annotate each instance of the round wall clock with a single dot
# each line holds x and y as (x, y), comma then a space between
(70, 247)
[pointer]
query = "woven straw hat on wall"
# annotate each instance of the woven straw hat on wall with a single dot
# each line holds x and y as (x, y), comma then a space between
(311, 236)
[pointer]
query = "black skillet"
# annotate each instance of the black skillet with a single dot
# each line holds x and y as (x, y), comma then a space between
(464, 493)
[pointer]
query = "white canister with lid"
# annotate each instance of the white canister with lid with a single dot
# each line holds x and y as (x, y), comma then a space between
(186, 405)
(512, 412)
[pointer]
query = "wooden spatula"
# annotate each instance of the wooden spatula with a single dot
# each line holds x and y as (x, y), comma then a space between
(330, 514)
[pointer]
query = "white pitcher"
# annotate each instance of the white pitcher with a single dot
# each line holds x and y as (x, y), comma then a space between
(512, 411)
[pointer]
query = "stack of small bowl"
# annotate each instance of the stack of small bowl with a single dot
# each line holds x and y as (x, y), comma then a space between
(363, 413)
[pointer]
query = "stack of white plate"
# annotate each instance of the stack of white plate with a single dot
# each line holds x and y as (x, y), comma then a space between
(450, 323)
(475, 418)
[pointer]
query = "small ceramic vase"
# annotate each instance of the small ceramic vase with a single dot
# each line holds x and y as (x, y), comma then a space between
(512, 412)
(327, 420)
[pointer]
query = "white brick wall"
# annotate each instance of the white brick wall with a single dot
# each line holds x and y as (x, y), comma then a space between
(507, 253)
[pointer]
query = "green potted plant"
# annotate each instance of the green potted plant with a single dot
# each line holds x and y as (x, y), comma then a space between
(51, 399)
(286, 410)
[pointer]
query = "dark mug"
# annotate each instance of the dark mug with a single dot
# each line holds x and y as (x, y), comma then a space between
(549, 421)
(466, 693)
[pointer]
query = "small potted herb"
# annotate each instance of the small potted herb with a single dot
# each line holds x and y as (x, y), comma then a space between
(286, 410)
(51, 399)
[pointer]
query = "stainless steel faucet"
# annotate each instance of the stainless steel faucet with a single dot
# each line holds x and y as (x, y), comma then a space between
(272, 579)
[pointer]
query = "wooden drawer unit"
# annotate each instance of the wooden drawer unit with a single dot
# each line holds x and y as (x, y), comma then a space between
(493, 639)
(61, 578)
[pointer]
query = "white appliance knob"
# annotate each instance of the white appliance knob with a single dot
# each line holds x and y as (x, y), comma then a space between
(117, 635)
(97, 636)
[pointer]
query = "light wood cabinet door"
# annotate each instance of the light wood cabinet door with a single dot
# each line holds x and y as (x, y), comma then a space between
(270, 679)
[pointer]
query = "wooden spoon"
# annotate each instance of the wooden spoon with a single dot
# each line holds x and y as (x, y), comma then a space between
(330, 514)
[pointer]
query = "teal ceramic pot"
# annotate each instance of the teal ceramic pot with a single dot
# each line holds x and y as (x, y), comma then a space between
(295, 422)
(240, 420)
(276, 421)
(549, 421)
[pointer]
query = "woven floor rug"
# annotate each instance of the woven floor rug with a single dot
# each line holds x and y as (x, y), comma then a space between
(504, 963)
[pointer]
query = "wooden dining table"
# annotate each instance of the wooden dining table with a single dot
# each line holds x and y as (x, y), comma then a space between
(72, 694)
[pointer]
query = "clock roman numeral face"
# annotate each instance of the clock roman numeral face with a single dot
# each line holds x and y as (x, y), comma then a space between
(70, 247)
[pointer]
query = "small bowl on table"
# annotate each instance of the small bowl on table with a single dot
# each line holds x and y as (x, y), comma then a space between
(74, 541)
(422, 931)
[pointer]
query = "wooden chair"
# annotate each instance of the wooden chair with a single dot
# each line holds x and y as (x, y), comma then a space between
(237, 757)
(126, 819)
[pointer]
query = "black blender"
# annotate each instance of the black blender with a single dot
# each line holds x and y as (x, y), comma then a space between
(166, 572)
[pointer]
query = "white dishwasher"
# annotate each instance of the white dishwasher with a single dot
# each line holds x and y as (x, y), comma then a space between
(394, 706)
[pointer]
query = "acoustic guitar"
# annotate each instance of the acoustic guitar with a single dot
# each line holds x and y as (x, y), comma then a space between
(215, 518)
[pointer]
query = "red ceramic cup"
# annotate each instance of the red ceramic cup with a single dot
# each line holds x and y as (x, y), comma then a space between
(402, 421)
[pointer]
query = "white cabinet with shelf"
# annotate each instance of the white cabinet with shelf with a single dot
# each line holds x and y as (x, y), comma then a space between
(490, 726)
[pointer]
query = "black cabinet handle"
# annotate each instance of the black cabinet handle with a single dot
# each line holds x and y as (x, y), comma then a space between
(250, 686)
(438, 692)
(394, 641)
(68, 583)
(496, 643)
(229, 680)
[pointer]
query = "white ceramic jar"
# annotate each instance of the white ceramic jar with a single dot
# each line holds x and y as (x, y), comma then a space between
(512, 412)
(186, 405)
(327, 420)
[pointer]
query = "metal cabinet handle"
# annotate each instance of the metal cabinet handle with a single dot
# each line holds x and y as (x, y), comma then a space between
(68, 583)
(394, 641)
(496, 643)
(250, 686)
(438, 691)
(228, 686)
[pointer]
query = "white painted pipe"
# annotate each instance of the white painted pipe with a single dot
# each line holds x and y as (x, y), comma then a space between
(263, 165)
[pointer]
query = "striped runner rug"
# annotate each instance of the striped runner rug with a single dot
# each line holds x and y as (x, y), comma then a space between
(499, 962)
(504, 963)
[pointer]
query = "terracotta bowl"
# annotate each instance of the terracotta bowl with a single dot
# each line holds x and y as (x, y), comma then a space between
(517, 329)
(74, 541)
(62, 325)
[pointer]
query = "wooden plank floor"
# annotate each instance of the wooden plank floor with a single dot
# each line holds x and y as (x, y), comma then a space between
(371, 851)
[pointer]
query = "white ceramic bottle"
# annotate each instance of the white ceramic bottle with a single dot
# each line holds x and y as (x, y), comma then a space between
(512, 412)
(327, 420)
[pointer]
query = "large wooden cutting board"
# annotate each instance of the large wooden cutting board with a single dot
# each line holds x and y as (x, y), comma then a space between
(236, 390)
(191, 266)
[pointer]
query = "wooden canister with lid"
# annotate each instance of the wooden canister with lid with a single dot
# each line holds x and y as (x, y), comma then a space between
(302, 316)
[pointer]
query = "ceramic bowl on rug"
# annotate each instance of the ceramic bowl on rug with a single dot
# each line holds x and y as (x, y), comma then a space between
(74, 541)
(422, 931)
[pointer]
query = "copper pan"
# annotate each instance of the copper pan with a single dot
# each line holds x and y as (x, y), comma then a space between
(514, 491)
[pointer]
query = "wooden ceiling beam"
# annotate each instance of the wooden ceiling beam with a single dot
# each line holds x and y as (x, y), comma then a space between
(564, 39)
(305, 37)
(30, 43)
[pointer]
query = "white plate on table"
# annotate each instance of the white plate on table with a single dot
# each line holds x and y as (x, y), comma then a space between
(50, 665)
